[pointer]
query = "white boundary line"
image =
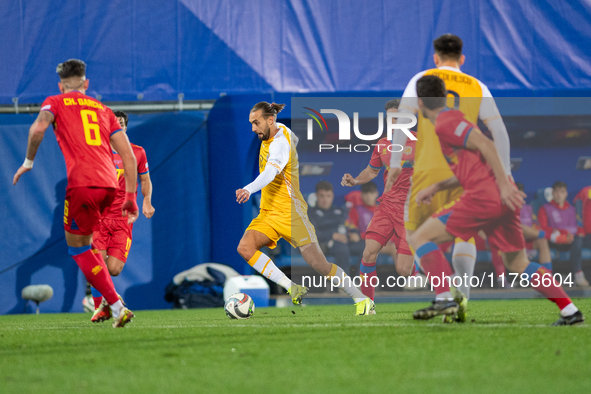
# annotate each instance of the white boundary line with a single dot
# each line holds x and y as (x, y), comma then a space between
(312, 325)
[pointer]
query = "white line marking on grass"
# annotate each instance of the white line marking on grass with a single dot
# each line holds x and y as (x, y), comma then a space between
(335, 325)
(312, 325)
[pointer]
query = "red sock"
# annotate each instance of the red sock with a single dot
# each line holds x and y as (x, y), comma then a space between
(94, 269)
(435, 266)
(97, 301)
(497, 261)
(548, 288)
(368, 271)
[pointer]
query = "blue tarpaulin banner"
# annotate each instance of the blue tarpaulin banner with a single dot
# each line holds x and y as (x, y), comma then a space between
(159, 49)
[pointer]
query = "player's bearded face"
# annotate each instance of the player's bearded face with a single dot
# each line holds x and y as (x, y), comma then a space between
(264, 133)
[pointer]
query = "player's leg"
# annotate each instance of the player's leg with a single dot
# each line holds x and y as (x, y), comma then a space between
(499, 266)
(519, 263)
(301, 234)
(377, 235)
(463, 257)
(100, 239)
(424, 240)
(404, 261)
(405, 264)
(119, 245)
(543, 247)
(367, 269)
(93, 267)
(248, 249)
(115, 265)
(463, 261)
(508, 237)
(81, 216)
(316, 259)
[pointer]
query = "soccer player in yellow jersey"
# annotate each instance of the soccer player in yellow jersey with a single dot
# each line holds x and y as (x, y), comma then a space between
(284, 213)
(471, 97)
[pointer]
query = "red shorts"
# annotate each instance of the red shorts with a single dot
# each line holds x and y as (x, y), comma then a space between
(84, 207)
(465, 216)
(388, 224)
(114, 236)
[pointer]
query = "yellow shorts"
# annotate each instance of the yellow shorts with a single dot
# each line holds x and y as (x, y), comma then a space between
(294, 226)
(415, 215)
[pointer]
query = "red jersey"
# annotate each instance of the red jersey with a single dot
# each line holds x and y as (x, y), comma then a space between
(584, 210)
(473, 172)
(381, 158)
(114, 211)
(83, 127)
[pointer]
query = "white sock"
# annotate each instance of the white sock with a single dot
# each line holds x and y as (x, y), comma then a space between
(343, 281)
(445, 296)
(116, 309)
(463, 261)
(263, 264)
(568, 310)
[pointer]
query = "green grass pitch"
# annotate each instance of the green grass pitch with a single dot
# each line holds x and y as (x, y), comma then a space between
(507, 348)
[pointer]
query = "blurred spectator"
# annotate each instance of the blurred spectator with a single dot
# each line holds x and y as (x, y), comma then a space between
(329, 222)
(558, 217)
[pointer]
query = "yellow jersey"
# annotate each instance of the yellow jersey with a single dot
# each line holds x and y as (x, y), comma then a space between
(464, 93)
(280, 152)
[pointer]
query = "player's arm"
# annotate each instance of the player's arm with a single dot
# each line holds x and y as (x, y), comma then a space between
(510, 195)
(491, 117)
(278, 158)
(368, 174)
(36, 134)
(425, 195)
(408, 104)
(121, 145)
(146, 185)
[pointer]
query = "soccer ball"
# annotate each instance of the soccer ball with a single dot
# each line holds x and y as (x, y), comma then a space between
(239, 306)
(88, 304)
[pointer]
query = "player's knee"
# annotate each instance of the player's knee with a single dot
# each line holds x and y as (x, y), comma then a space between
(369, 256)
(245, 250)
(115, 270)
(404, 266)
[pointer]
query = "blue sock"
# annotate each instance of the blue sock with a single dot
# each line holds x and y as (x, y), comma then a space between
(366, 269)
(548, 266)
(75, 251)
(531, 269)
(95, 292)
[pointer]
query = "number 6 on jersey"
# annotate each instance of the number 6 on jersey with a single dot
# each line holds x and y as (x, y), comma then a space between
(91, 128)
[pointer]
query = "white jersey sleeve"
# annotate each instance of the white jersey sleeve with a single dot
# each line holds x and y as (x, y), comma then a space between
(491, 117)
(409, 103)
(279, 154)
(279, 150)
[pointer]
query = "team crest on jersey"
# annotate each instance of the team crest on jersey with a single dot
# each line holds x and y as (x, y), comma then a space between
(407, 150)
